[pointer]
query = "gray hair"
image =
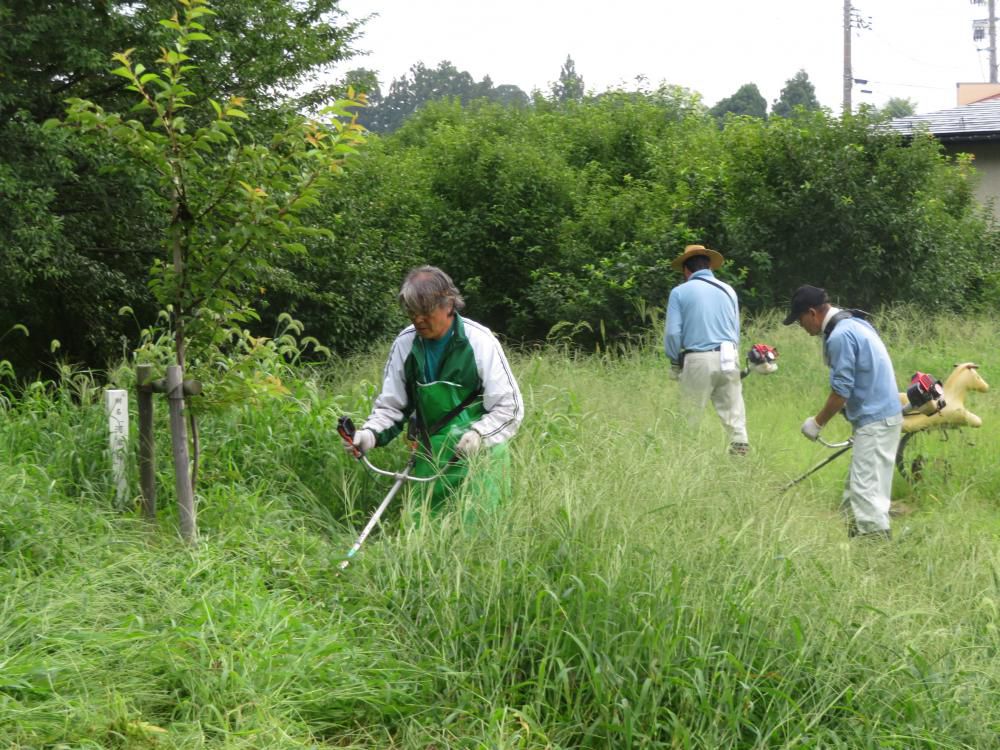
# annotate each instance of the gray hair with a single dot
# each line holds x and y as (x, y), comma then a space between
(427, 288)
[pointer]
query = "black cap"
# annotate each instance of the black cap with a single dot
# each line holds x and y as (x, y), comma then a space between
(804, 298)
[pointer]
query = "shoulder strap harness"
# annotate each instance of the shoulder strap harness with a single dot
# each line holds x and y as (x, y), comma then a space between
(844, 315)
(720, 288)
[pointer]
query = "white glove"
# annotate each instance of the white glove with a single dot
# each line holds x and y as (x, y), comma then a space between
(364, 441)
(469, 443)
(811, 428)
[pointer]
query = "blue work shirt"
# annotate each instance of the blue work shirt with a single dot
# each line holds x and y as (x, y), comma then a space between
(861, 372)
(700, 316)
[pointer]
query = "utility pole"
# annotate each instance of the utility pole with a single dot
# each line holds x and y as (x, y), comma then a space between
(852, 20)
(848, 76)
(984, 26)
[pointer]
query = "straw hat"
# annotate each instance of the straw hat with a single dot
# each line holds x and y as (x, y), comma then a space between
(714, 256)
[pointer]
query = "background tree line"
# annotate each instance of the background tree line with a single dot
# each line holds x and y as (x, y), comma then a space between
(558, 206)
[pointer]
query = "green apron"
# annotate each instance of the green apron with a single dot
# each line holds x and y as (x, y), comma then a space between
(436, 452)
(437, 424)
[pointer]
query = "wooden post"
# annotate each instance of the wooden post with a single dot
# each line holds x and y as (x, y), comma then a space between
(116, 405)
(178, 435)
(147, 444)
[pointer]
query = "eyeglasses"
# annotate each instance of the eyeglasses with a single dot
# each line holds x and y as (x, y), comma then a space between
(414, 314)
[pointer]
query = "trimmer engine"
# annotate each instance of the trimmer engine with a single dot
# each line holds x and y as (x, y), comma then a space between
(762, 359)
(925, 393)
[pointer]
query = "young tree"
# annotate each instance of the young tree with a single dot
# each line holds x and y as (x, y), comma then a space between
(232, 205)
(798, 92)
(78, 224)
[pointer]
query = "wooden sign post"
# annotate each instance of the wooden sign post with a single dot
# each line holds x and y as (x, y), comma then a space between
(116, 405)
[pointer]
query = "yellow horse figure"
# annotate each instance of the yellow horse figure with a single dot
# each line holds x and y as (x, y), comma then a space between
(964, 378)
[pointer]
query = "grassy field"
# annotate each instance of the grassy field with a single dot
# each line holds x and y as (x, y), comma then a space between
(640, 589)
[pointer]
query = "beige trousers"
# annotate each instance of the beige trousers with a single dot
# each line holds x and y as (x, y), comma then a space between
(702, 378)
(868, 490)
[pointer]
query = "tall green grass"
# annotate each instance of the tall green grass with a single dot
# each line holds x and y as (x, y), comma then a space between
(640, 588)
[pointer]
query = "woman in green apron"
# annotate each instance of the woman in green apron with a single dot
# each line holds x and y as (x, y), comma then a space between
(447, 376)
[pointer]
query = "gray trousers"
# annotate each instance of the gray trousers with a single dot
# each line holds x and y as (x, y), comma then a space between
(702, 378)
(868, 490)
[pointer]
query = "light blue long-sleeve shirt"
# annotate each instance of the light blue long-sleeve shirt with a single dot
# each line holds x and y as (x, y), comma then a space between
(700, 316)
(861, 372)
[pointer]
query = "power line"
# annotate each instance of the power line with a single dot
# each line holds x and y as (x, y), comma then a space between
(911, 85)
(884, 41)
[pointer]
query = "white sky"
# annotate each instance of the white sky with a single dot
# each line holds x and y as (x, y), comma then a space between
(916, 49)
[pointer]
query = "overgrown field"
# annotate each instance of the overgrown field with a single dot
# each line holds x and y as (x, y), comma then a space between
(640, 589)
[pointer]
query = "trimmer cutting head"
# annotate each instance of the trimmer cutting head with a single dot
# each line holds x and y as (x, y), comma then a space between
(762, 359)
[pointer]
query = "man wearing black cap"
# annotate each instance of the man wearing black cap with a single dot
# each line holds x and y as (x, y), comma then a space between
(863, 384)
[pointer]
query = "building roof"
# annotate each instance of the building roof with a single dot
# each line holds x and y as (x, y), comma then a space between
(979, 121)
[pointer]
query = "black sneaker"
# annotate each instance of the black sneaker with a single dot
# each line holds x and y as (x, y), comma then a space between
(739, 449)
(874, 537)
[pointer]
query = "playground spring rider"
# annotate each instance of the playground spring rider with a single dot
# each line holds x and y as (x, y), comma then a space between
(925, 395)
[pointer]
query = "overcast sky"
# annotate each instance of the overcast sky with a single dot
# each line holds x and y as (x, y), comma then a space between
(915, 49)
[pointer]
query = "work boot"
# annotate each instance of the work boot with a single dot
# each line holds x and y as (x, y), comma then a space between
(883, 535)
(739, 449)
(871, 537)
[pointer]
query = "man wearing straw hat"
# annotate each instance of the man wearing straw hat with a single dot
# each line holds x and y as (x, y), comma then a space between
(701, 337)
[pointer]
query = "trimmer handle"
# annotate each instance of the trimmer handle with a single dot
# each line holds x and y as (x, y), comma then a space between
(346, 429)
(841, 444)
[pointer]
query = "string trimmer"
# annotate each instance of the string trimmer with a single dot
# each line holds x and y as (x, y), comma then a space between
(843, 448)
(346, 429)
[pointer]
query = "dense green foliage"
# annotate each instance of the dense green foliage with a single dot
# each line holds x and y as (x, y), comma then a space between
(640, 589)
(562, 211)
(886, 220)
(385, 114)
(572, 212)
(746, 101)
